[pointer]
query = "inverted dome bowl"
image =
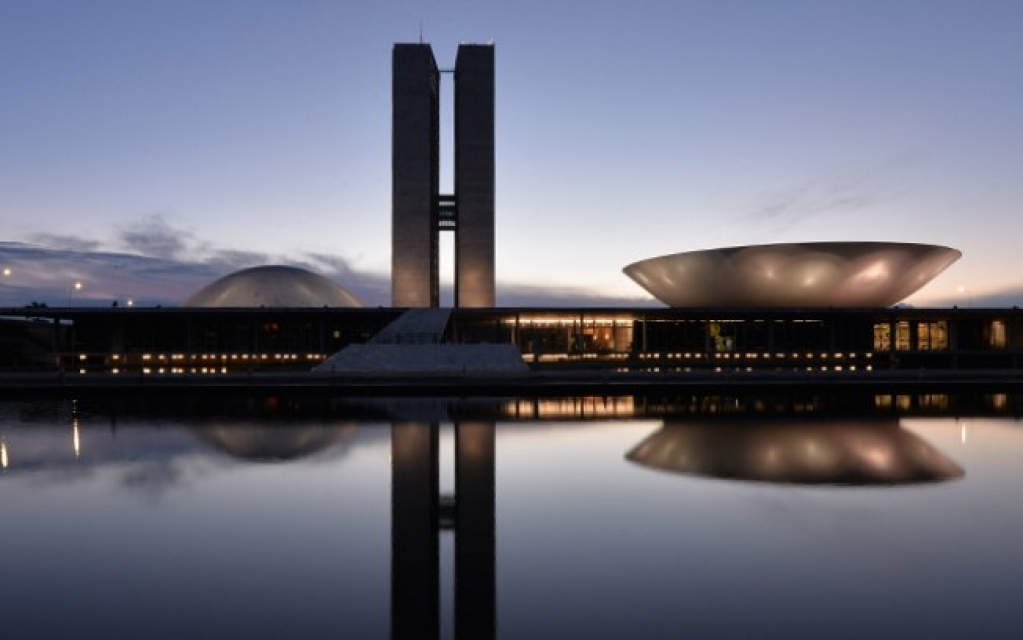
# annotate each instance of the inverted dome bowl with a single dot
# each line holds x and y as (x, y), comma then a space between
(808, 274)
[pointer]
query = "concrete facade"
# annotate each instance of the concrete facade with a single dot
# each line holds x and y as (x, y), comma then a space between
(474, 176)
(415, 176)
(419, 211)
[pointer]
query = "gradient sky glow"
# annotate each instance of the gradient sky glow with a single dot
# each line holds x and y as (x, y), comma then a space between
(210, 135)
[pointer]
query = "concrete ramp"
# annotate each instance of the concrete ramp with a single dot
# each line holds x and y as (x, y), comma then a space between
(413, 344)
(415, 326)
(453, 359)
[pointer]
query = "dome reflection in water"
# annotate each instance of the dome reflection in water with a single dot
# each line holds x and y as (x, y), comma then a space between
(266, 429)
(271, 443)
(796, 451)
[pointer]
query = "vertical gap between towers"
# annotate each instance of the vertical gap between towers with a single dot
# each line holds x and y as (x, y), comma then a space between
(446, 477)
(446, 263)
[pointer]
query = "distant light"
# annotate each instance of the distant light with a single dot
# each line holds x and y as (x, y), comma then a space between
(7, 271)
(3, 445)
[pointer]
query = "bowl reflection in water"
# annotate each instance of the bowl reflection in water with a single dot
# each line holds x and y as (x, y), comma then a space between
(842, 452)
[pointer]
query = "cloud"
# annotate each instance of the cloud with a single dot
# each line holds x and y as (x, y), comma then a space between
(787, 209)
(47, 275)
(331, 263)
(153, 236)
(520, 295)
(153, 262)
(845, 192)
(227, 260)
(64, 242)
(1001, 299)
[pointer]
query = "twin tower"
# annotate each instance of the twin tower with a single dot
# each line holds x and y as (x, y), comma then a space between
(420, 212)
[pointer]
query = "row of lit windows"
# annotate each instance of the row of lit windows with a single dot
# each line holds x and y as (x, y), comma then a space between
(837, 367)
(930, 336)
(751, 356)
(584, 407)
(554, 321)
(564, 357)
(167, 370)
(211, 357)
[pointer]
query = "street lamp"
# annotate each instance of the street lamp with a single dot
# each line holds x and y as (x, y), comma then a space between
(964, 291)
(71, 293)
(7, 273)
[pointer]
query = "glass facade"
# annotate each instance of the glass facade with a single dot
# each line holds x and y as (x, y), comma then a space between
(132, 339)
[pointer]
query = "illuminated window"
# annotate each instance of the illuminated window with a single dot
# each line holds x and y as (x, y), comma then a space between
(933, 401)
(996, 334)
(902, 342)
(932, 336)
(882, 337)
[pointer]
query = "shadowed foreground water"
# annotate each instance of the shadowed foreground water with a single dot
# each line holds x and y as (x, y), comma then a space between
(884, 517)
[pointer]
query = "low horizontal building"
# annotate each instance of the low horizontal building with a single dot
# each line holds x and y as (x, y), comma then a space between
(217, 340)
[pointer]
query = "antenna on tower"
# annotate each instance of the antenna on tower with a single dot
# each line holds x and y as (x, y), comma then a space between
(420, 32)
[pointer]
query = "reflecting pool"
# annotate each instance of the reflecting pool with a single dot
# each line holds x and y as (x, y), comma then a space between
(601, 517)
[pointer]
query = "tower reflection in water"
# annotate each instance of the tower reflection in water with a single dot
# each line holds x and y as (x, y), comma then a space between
(863, 451)
(418, 514)
(416, 520)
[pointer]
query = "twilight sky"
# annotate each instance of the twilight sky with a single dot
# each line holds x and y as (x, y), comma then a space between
(148, 147)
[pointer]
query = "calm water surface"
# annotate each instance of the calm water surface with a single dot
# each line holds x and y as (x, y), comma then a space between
(586, 517)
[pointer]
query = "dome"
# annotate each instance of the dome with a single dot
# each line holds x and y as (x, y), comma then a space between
(810, 274)
(272, 286)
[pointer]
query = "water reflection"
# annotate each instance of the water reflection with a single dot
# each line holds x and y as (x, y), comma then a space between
(587, 547)
(798, 451)
(416, 521)
(268, 442)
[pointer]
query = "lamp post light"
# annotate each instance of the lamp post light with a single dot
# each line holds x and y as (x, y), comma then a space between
(7, 274)
(77, 287)
(964, 291)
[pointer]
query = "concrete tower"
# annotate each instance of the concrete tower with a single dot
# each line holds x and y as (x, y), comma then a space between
(415, 176)
(474, 176)
(419, 211)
